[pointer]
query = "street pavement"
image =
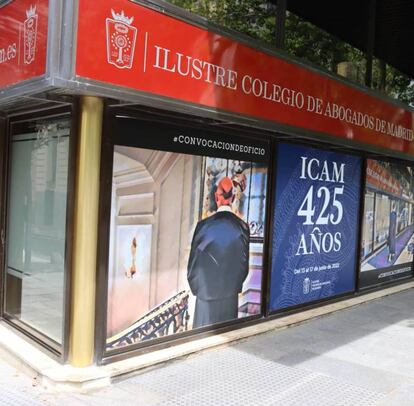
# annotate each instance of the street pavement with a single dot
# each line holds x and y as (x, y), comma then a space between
(360, 356)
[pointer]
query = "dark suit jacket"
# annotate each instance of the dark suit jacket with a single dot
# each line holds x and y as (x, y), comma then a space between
(219, 257)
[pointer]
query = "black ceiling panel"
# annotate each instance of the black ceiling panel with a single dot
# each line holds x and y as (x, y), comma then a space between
(348, 20)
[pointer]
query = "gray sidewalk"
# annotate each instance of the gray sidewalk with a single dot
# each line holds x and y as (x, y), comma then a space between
(360, 356)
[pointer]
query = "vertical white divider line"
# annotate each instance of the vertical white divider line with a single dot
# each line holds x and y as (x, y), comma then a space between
(145, 51)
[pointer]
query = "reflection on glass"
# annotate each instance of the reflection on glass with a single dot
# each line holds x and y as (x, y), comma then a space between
(36, 225)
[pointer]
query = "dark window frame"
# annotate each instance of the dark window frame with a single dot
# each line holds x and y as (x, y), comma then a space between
(102, 356)
(159, 116)
(60, 352)
(358, 291)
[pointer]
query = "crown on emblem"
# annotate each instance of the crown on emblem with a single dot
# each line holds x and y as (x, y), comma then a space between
(31, 12)
(122, 17)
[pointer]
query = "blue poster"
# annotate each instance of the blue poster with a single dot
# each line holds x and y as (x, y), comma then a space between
(315, 225)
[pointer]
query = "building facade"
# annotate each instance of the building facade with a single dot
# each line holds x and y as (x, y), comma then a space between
(163, 179)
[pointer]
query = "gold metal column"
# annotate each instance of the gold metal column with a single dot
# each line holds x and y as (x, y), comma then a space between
(82, 325)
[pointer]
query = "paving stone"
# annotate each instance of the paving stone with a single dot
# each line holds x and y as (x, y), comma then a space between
(361, 356)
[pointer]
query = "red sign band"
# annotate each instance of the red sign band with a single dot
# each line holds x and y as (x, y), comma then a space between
(23, 40)
(139, 48)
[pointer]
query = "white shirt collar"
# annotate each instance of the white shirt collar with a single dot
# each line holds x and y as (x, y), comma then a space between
(224, 208)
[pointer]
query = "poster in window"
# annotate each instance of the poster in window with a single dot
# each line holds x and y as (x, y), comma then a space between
(387, 242)
(315, 225)
(187, 231)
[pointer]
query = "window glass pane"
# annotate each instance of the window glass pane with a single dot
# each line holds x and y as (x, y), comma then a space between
(388, 217)
(315, 225)
(181, 254)
(37, 225)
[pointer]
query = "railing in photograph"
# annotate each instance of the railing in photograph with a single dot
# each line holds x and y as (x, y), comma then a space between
(168, 318)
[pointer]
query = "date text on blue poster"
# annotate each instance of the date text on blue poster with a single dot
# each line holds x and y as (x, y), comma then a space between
(315, 225)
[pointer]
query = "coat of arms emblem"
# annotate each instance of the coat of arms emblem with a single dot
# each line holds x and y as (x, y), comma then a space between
(29, 35)
(120, 40)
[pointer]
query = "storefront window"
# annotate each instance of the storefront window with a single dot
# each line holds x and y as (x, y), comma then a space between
(388, 218)
(315, 225)
(36, 224)
(187, 232)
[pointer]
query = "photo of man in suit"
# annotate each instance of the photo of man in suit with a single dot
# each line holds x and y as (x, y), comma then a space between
(219, 260)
